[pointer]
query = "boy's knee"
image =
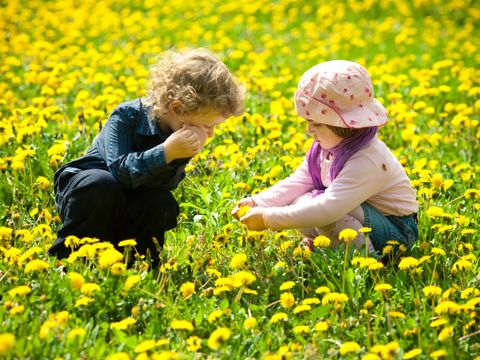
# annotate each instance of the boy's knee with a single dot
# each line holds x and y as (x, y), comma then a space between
(98, 190)
(103, 188)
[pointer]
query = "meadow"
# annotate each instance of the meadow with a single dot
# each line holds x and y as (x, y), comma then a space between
(222, 291)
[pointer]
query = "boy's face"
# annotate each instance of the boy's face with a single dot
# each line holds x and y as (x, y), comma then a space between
(202, 122)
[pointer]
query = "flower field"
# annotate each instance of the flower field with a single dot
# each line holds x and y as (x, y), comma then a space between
(222, 291)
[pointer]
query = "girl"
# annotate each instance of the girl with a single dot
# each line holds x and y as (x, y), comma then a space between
(349, 179)
(122, 187)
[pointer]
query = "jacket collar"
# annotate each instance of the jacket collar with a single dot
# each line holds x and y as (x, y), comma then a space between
(146, 125)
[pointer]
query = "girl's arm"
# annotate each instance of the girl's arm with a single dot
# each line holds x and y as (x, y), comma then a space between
(359, 180)
(287, 190)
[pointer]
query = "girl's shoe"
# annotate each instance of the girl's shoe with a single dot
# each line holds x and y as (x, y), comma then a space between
(308, 243)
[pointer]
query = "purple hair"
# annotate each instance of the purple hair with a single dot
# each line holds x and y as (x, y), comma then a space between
(342, 152)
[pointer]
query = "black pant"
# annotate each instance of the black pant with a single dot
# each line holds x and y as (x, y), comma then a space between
(92, 203)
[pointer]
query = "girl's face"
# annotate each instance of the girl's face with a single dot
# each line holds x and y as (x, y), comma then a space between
(322, 134)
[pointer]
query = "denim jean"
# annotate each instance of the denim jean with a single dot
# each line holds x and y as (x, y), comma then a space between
(403, 229)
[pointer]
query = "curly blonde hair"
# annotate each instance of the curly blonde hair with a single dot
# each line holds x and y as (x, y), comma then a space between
(198, 80)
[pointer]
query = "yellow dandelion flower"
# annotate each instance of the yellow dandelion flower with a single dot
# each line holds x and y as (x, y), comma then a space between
(218, 337)
(72, 241)
(36, 265)
(145, 346)
(301, 329)
(468, 231)
(17, 310)
(387, 250)
(118, 269)
(310, 301)
(89, 288)
(124, 324)
(76, 333)
(447, 293)
(438, 354)
(438, 251)
(76, 280)
(287, 299)
(250, 323)
(409, 332)
(337, 298)
(435, 212)
(431, 290)
(127, 243)
(445, 334)
(242, 278)
(250, 291)
(5, 233)
(301, 308)
(465, 294)
(407, 263)
(163, 355)
(347, 235)
(438, 322)
(321, 326)
(220, 290)
(383, 288)
(397, 314)
(242, 211)
(321, 241)
(370, 356)
(181, 325)
(214, 316)
(109, 257)
(447, 307)
(412, 354)
(322, 290)
(461, 265)
(281, 316)
(365, 230)
(131, 282)
(119, 356)
(238, 261)
(7, 342)
(83, 301)
(349, 347)
(377, 265)
(213, 272)
(368, 304)
(287, 285)
(21, 290)
(194, 343)
(187, 289)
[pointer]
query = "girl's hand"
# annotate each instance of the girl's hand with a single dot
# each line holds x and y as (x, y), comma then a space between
(253, 219)
(244, 202)
(183, 143)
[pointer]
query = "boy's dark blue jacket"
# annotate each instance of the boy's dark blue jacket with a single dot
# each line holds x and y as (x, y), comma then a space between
(130, 146)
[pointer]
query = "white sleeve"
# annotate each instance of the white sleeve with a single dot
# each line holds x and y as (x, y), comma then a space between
(287, 190)
(359, 179)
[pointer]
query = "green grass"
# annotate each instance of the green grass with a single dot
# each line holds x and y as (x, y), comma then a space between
(66, 65)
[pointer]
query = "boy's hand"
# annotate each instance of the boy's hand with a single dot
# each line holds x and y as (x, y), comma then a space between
(183, 143)
(253, 219)
(244, 202)
(201, 133)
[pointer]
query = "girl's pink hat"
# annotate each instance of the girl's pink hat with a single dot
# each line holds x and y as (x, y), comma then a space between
(339, 93)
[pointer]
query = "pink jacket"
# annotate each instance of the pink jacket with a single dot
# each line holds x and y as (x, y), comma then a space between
(371, 175)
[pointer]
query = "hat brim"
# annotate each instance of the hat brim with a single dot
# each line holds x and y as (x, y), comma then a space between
(368, 115)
